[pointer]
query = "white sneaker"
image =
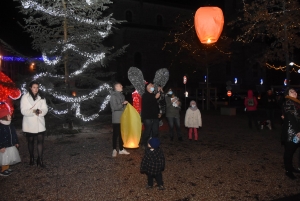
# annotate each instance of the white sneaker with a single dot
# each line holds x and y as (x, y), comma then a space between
(114, 154)
(124, 152)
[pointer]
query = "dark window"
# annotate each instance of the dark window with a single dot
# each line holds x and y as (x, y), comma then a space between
(138, 60)
(159, 20)
(128, 16)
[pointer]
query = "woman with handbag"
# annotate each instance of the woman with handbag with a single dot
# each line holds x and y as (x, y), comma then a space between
(33, 109)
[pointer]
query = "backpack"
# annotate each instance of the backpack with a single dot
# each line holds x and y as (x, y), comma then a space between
(250, 101)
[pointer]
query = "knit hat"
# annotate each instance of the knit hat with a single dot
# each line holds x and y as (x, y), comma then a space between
(154, 142)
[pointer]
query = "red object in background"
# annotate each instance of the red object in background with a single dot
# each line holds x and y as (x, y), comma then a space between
(8, 91)
(137, 101)
(229, 93)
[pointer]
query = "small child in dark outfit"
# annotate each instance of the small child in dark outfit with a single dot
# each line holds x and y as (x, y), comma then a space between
(153, 163)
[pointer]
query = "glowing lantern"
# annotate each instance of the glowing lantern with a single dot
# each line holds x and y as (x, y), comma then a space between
(131, 127)
(74, 93)
(229, 93)
(209, 23)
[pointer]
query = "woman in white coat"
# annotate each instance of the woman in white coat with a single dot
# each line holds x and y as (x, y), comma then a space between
(33, 109)
(193, 120)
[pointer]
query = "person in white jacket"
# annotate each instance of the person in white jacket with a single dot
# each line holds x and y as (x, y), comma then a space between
(33, 109)
(193, 120)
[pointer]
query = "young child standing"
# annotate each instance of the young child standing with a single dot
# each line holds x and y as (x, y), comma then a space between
(9, 153)
(193, 120)
(153, 163)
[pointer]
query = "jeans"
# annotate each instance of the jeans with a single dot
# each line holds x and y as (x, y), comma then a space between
(171, 121)
(116, 135)
(158, 179)
(151, 130)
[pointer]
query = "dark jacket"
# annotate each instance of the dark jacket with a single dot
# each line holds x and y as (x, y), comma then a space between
(172, 111)
(8, 136)
(270, 101)
(153, 162)
(291, 121)
(150, 108)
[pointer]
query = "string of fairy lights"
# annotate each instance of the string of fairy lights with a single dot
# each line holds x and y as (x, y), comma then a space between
(91, 58)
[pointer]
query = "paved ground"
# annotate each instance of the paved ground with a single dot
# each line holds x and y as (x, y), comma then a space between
(230, 162)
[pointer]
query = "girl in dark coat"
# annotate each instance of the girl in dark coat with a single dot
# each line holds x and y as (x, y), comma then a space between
(9, 154)
(290, 130)
(153, 163)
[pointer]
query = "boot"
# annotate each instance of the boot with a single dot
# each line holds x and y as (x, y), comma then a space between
(31, 162)
(39, 162)
(269, 124)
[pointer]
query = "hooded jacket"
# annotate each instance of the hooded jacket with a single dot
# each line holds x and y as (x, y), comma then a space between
(250, 97)
(153, 162)
(116, 105)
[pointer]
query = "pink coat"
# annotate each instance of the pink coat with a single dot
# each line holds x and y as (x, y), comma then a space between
(250, 96)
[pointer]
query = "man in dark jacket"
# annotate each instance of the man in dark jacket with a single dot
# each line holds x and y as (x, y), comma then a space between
(150, 113)
(117, 104)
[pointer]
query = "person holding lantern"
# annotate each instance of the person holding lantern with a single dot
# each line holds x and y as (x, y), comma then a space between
(291, 130)
(150, 113)
(117, 105)
(34, 108)
(173, 114)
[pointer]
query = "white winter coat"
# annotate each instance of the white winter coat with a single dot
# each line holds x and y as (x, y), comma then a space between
(193, 118)
(31, 122)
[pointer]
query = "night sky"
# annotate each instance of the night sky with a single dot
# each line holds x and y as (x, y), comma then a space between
(13, 34)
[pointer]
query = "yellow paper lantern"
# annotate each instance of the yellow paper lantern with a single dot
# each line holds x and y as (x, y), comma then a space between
(131, 127)
(209, 23)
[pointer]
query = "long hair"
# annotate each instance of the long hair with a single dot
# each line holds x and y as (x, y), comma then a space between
(34, 97)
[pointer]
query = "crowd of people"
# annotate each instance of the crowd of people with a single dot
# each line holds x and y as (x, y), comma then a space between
(155, 105)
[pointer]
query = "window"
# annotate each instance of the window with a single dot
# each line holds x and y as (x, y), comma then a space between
(138, 60)
(159, 20)
(128, 16)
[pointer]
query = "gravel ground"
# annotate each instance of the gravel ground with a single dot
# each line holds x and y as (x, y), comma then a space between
(230, 162)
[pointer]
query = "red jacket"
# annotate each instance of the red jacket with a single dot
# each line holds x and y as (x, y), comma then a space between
(246, 101)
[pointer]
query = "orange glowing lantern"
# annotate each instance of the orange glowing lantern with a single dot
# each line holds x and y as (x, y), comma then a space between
(209, 23)
(74, 93)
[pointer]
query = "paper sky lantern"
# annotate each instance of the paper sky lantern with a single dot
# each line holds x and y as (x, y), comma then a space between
(8, 92)
(131, 127)
(209, 23)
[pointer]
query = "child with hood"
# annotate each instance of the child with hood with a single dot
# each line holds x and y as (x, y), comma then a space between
(153, 163)
(193, 120)
(251, 109)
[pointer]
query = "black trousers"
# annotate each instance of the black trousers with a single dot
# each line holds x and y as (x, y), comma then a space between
(252, 117)
(158, 179)
(151, 130)
(116, 135)
(289, 150)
